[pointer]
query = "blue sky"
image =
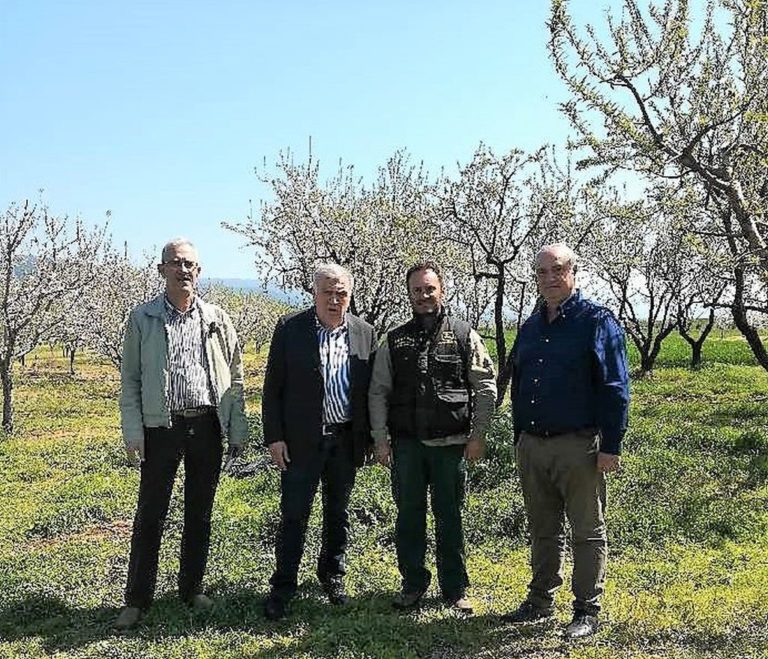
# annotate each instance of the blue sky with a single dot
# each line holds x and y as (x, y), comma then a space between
(159, 111)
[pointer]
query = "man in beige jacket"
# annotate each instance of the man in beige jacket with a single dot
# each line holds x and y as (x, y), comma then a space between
(182, 392)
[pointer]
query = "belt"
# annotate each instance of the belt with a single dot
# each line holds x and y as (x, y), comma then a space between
(194, 412)
(334, 428)
(550, 434)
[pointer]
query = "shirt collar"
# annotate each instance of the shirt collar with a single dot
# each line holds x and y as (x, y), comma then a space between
(565, 307)
(171, 310)
(336, 330)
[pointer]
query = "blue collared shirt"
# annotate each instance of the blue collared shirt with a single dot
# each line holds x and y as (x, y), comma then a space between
(571, 374)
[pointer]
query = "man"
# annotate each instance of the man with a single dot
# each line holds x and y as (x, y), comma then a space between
(570, 396)
(182, 391)
(433, 391)
(316, 426)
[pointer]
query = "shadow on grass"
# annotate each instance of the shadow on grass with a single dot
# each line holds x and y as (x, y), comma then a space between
(368, 626)
(745, 641)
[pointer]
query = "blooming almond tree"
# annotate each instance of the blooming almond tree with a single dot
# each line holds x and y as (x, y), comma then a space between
(46, 262)
(118, 286)
(253, 314)
(671, 95)
(376, 231)
(497, 215)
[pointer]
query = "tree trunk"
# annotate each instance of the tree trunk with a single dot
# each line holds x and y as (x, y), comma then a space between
(6, 379)
(646, 364)
(501, 339)
(72, 352)
(738, 310)
(697, 344)
(696, 347)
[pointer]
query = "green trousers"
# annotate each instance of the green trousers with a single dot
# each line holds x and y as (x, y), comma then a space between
(559, 479)
(417, 468)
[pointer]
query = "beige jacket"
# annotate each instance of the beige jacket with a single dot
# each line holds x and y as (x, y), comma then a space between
(144, 371)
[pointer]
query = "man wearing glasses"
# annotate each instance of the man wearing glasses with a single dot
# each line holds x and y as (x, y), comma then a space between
(182, 392)
(570, 396)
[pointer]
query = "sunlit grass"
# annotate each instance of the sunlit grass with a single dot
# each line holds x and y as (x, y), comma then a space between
(688, 522)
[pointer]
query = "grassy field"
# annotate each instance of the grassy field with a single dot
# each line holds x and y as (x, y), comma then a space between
(688, 525)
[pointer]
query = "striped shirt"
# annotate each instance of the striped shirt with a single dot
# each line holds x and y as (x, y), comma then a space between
(334, 362)
(189, 384)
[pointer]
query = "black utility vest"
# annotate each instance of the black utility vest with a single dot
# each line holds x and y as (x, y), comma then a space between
(430, 391)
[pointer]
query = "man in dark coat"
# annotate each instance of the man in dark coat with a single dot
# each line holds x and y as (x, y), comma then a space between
(315, 416)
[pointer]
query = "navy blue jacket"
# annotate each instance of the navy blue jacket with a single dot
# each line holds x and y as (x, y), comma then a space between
(292, 398)
(571, 374)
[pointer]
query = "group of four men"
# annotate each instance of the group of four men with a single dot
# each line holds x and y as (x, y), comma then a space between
(423, 399)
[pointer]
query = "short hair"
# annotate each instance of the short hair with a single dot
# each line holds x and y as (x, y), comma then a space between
(568, 254)
(332, 271)
(176, 242)
(424, 265)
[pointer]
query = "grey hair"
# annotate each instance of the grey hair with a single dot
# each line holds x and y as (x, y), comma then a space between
(562, 250)
(176, 242)
(332, 271)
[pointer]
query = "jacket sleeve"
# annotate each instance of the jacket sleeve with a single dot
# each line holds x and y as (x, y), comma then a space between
(272, 394)
(482, 382)
(131, 418)
(233, 399)
(379, 392)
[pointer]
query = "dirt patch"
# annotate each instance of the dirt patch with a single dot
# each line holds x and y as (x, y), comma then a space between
(119, 528)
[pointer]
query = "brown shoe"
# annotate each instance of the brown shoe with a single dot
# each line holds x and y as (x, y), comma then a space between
(129, 617)
(461, 605)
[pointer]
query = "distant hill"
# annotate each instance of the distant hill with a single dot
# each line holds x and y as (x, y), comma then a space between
(289, 297)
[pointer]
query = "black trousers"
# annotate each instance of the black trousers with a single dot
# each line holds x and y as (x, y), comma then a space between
(198, 442)
(334, 467)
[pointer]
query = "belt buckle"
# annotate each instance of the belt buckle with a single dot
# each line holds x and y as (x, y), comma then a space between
(192, 412)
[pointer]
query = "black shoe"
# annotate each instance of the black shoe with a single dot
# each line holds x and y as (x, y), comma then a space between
(581, 626)
(527, 612)
(408, 598)
(129, 617)
(334, 589)
(274, 607)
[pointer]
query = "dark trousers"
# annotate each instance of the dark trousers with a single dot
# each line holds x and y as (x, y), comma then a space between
(415, 468)
(334, 467)
(198, 442)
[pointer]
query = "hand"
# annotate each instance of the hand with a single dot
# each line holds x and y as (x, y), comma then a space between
(608, 462)
(474, 450)
(279, 453)
(135, 451)
(234, 451)
(384, 453)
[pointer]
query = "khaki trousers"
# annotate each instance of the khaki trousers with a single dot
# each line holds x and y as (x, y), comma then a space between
(559, 479)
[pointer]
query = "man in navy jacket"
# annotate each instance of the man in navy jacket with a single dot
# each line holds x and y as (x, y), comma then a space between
(570, 397)
(315, 416)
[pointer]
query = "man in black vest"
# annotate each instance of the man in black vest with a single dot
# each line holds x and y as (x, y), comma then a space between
(431, 398)
(315, 416)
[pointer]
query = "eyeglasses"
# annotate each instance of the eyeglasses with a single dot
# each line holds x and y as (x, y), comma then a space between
(181, 263)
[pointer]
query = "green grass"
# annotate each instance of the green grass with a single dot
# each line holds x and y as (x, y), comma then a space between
(687, 517)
